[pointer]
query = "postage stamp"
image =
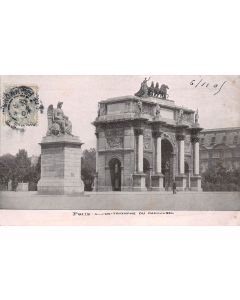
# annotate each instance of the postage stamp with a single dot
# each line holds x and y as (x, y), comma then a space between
(20, 106)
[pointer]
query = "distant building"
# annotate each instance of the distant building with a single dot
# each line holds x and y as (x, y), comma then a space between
(220, 145)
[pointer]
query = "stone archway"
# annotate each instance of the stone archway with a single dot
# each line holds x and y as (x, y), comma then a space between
(146, 170)
(115, 173)
(167, 163)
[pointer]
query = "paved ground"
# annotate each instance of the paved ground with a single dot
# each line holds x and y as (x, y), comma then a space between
(189, 201)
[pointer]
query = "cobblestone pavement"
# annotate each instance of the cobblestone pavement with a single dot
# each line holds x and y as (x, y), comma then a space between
(188, 201)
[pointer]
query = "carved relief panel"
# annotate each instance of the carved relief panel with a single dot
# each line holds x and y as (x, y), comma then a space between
(114, 138)
(148, 109)
(147, 140)
(187, 118)
(188, 144)
(183, 117)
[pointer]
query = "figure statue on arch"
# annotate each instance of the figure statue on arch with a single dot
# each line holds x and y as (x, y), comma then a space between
(158, 111)
(196, 117)
(140, 106)
(180, 116)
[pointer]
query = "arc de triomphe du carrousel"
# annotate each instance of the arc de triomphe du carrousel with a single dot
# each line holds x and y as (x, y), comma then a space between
(146, 142)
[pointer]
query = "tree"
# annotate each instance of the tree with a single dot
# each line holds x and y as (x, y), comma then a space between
(23, 166)
(3, 176)
(219, 178)
(7, 169)
(88, 168)
(35, 175)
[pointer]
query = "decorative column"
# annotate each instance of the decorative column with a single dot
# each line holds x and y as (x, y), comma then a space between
(157, 178)
(181, 179)
(196, 178)
(196, 156)
(159, 152)
(95, 185)
(122, 178)
(140, 150)
(181, 138)
(139, 178)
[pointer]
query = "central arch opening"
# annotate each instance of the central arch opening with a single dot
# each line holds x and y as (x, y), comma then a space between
(115, 172)
(167, 163)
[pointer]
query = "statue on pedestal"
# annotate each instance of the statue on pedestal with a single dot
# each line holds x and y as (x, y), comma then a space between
(60, 156)
(58, 123)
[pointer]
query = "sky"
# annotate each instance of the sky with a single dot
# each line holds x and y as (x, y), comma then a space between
(80, 95)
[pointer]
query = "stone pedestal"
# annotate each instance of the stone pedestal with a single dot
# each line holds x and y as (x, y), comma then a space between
(181, 182)
(157, 182)
(22, 187)
(60, 165)
(139, 182)
(10, 185)
(196, 183)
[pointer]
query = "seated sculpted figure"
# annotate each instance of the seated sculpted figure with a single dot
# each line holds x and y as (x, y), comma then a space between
(58, 123)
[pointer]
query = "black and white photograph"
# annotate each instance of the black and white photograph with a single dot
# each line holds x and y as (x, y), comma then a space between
(112, 145)
(119, 150)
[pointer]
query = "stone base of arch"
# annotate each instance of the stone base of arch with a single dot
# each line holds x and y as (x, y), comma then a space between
(196, 183)
(157, 182)
(139, 182)
(181, 182)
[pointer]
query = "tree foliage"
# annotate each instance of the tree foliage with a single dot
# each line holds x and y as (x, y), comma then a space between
(7, 169)
(88, 168)
(18, 169)
(219, 178)
(23, 166)
(35, 175)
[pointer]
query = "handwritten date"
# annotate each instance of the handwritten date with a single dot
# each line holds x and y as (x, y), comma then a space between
(216, 87)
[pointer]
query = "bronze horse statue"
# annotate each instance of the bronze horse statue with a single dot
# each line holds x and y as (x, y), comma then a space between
(156, 90)
(163, 91)
(151, 90)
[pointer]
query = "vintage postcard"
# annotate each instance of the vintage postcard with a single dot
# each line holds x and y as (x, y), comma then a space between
(120, 150)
